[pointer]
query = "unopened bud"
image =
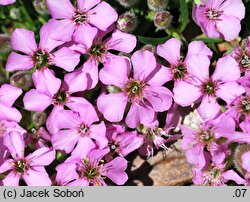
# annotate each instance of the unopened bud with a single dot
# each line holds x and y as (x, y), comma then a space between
(163, 19)
(239, 151)
(128, 3)
(21, 80)
(4, 43)
(15, 13)
(149, 47)
(41, 7)
(157, 5)
(39, 118)
(127, 22)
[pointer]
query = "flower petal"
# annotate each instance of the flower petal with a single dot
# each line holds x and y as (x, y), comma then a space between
(36, 101)
(209, 107)
(87, 4)
(12, 179)
(60, 8)
(65, 140)
(99, 17)
(159, 97)
(116, 170)
(121, 41)
(15, 143)
(85, 34)
(66, 59)
(37, 176)
(17, 62)
(23, 40)
(41, 157)
(229, 27)
(170, 51)
(186, 94)
(115, 72)
(112, 106)
(229, 91)
(197, 69)
(46, 82)
(9, 94)
(144, 63)
(222, 72)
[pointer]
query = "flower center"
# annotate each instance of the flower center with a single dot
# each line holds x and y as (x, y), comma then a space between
(209, 88)
(83, 130)
(91, 172)
(206, 136)
(134, 88)
(113, 147)
(213, 177)
(97, 51)
(79, 17)
(41, 58)
(61, 97)
(179, 71)
(21, 166)
(213, 14)
(245, 61)
(245, 105)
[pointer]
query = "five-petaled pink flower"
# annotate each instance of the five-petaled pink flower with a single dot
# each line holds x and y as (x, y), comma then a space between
(30, 168)
(139, 87)
(201, 87)
(82, 23)
(220, 17)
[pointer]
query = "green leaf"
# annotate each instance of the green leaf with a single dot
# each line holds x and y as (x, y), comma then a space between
(152, 41)
(209, 40)
(184, 15)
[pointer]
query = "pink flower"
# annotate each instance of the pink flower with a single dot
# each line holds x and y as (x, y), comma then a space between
(92, 170)
(87, 75)
(220, 17)
(6, 2)
(38, 138)
(200, 86)
(216, 175)
(82, 23)
(6, 128)
(41, 56)
(50, 90)
(30, 168)
(99, 51)
(122, 142)
(205, 143)
(8, 95)
(79, 129)
(239, 109)
(171, 51)
(65, 174)
(141, 88)
(242, 55)
(245, 82)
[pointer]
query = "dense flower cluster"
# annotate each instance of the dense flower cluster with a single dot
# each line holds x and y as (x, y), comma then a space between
(79, 52)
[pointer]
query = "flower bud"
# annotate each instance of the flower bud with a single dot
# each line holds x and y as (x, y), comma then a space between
(41, 7)
(15, 14)
(4, 43)
(149, 47)
(127, 22)
(21, 79)
(157, 5)
(39, 118)
(239, 151)
(163, 19)
(128, 3)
